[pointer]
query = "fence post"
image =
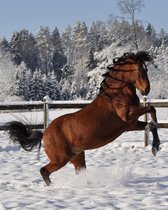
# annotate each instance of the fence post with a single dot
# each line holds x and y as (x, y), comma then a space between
(45, 111)
(146, 120)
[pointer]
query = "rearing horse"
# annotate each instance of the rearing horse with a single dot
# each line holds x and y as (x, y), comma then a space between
(115, 110)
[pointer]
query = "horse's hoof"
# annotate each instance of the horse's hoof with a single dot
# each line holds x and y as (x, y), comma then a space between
(154, 151)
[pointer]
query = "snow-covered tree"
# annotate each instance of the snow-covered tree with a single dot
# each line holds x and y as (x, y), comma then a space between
(158, 73)
(8, 80)
(44, 46)
(130, 7)
(69, 65)
(37, 91)
(91, 63)
(4, 45)
(66, 82)
(58, 58)
(51, 85)
(23, 49)
(24, 78)
(67, 45)
(80, 41)
(94, 80)
(163, 37)
(80, 81)
(98, 36)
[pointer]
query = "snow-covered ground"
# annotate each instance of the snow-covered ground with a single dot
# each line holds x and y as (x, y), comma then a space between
(122, 175)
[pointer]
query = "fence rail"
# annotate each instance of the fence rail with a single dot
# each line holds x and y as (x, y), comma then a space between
(40, 105)
(47, 105)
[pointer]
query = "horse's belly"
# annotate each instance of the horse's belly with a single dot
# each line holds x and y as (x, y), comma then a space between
(106, 138)
(97, 138)
(88, 132)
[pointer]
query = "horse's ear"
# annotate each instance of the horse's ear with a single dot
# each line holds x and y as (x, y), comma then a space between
(126, 55)
(109, 67)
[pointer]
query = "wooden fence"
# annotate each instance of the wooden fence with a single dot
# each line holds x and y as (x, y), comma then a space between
(46, 105)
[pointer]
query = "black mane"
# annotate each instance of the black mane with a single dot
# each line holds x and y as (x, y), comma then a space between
(143, 56)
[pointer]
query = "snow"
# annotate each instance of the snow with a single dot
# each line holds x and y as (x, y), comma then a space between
(122, 175)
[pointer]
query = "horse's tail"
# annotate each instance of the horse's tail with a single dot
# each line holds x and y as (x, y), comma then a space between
(23, 134)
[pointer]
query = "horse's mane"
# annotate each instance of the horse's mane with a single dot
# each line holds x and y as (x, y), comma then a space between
(141, 56)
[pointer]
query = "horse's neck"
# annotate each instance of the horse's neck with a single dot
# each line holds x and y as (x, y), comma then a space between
(125, 95)
(101, 104)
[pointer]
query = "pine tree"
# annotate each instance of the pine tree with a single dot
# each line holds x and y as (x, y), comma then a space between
(66, 82)
(98, 36)
(90, 60)
(94, 37)
(44, 46)
(163, 37)
(80, 41)
(23, 49)
(21, 81)
(67, 45)
(51, 86)
(80, 82)
(158, 73)
(37, 91)
(24, 79)
(58, 58)
(151, 33)
(54, 87)
(8, 79)
(4, 45)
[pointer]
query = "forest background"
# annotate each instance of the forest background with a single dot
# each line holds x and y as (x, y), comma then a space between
(69, 65)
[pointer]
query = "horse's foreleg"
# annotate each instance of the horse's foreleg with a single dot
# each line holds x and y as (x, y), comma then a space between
(152, 126)
(156, 140)
(136, 112)
(79, 162)
(139, 126)
(153, 129)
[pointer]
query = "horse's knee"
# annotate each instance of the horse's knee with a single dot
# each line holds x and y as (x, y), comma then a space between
(153, 126)
(152, 109)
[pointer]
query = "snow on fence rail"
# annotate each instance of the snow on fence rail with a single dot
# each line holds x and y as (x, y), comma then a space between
(47, 105)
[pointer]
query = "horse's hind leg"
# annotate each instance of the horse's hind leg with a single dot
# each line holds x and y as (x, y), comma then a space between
(79, 162)
(46, 171)
(50, 168)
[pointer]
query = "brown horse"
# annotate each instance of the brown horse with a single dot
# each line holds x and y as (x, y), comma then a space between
(115, 110)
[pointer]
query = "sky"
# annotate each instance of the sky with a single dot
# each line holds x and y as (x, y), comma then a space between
(16, 15)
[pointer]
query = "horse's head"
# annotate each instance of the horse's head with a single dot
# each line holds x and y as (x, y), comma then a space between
(131, 68)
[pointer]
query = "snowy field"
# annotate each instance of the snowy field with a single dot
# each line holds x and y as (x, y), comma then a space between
(122, 175)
